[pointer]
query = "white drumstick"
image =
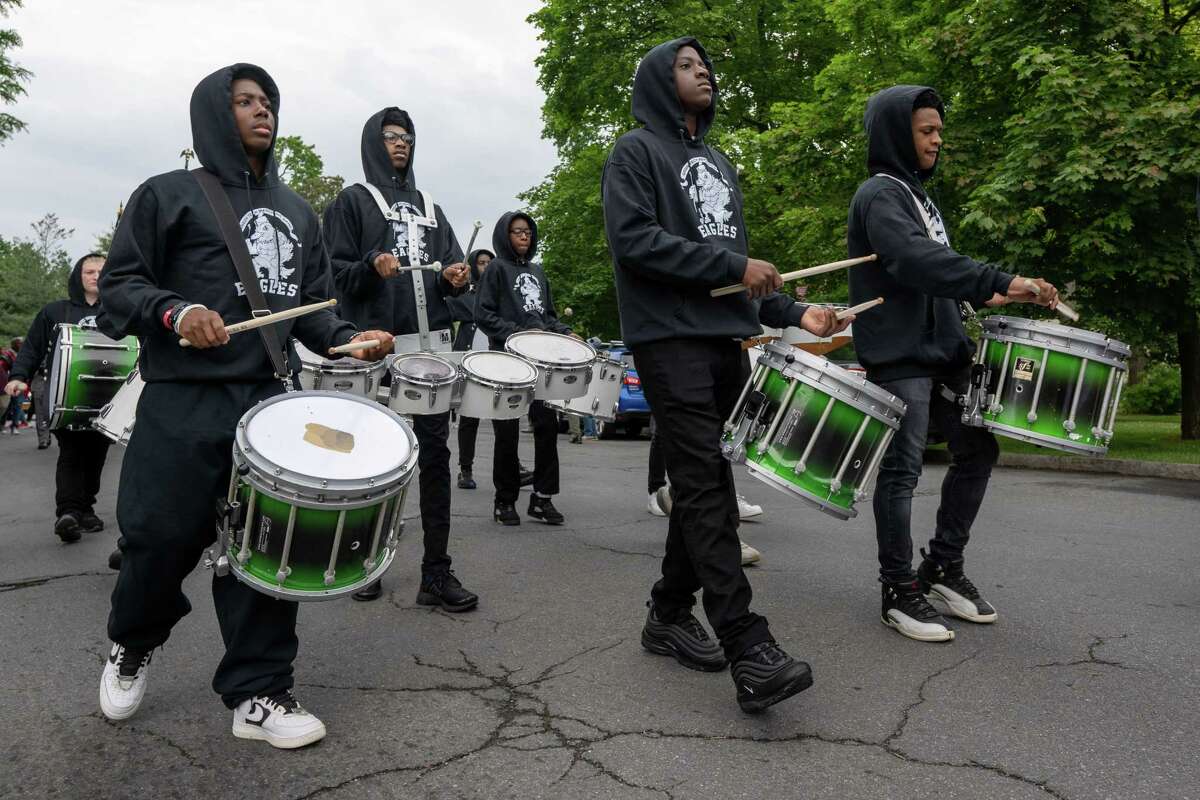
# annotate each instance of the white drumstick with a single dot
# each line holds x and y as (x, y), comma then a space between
(800, 273)
(1061, 308)
(350, 347)
(474, 233)
(858, 309)
(270, 319)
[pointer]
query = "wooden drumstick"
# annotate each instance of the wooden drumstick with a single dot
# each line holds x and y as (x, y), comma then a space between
(1061, 308)
(800, 273)
(858, 309)
(350, 347)
(270, 319)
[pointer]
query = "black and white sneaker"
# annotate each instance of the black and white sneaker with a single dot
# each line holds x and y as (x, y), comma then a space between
(506, 514)
(123, 682)
(443, 588)
(947, 583)
(66, 528)
(906, 609)
(541, 508)
(684, 639)
(278, 720)
(765, 674)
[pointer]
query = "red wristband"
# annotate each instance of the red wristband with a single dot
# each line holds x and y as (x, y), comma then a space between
(167, 318)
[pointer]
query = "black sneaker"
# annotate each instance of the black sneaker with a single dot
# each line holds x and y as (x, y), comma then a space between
(465, 479)
(67, 528)
(114, 560)
(906, 609)
(683, 639)
(526, 476)
(369, 592)
(90, 523)
(506, 514)
(541, 508)
(576, 438)
(947, 583)
(445, 590)
(764, 675)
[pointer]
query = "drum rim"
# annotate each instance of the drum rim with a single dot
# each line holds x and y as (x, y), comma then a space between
(470, 377)
(1033, 437)
(774, 481)
(455, 372)
(562, 366)
(340, 493)
(1109, 350)
(282, 593)
(839, 376)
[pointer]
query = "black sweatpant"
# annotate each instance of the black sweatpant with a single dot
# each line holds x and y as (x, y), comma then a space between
(177, 464)
(81, 456)
(656, 470)
(433, 459)
(468, 429)
(506, 466)
(692, 385)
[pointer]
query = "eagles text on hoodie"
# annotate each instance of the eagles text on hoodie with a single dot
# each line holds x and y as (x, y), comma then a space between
(168, 249)
(37, 352)
(356, 232)
(673, 217)
(514, 294)
(918, 331)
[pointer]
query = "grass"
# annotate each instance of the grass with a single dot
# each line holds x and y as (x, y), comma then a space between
(1140, 437)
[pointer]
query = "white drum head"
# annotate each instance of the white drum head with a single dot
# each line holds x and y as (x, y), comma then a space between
(502, 368)
(328, 437)
(426, 369)
(550, 348)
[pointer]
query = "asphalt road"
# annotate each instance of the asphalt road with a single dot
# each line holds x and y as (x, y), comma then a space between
(1087, 687)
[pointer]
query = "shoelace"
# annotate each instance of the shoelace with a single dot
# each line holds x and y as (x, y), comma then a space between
(961, 584)
(768, 653)
(131, 658)
(912, 602)
(284, 701)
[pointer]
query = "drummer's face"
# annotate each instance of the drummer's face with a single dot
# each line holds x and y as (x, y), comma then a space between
(89, 273)
(520, 235)
(482, 262)
(927, 136)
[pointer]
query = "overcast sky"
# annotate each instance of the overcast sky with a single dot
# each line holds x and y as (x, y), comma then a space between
(108, 104)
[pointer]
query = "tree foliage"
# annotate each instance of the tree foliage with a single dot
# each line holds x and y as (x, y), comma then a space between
(12, 75)
(301, 168)
(32, 273)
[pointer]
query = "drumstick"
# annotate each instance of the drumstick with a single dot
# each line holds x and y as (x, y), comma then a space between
(270, 319)
(1061, 308)
(800, 273)
(350, 347)
(474, 233)
(436, 266)
(858, 309)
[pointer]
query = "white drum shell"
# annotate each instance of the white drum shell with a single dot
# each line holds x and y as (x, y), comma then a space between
(494, 398)
(339, 375)
(560, 377)
(603, 394)
(410, 395)
(117, 417)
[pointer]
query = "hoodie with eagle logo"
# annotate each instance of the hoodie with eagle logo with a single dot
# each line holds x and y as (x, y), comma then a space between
(167, 249)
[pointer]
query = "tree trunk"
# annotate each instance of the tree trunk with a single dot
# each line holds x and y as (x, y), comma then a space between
(1189, 368)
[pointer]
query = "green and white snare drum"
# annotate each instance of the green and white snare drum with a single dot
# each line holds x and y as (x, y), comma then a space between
(1046, 383)
(85, 373)
(812, 429)
(316, 500)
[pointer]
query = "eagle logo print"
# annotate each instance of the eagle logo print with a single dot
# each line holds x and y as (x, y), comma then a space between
(711, 196)
(272, 242)
(400, 229)
(530, 290)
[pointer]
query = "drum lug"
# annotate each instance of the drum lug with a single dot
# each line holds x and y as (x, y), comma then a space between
(1069, 426)
(1031, 417)
(219, 564)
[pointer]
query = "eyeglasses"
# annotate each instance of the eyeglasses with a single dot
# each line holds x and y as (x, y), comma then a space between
(521, 233)
(391, 137)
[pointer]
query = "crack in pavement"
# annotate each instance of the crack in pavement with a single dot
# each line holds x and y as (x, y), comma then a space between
(167, 740)
(905, 713)
(29, 583)
(1097, 642)
(619, 552)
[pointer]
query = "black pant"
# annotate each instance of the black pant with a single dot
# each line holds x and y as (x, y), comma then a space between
(506, 466)
(433, 459)
(974, 452)
(81, 456)
(468, 428)
(656, 472)
(177, 464)
(41, 409)
(692, 385)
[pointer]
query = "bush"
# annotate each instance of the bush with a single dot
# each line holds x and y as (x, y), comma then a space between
(1159, 392)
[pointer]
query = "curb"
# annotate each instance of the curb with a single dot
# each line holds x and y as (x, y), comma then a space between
(1110, 466)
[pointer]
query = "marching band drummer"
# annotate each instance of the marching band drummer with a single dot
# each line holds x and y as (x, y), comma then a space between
(373, 229)
(170, 275)
(673, 217)
(915, 347)
(469, 337)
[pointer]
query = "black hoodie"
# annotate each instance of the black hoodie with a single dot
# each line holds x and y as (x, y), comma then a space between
(673, 216)
(918, 332)
(37, 351)
(357, 232)
(462, 307)
(514, 293)
(167, 249)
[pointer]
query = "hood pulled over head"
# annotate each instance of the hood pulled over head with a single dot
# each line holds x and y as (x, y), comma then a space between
(888, 122)
(503, 246)
(376, 163)
(75, 279)
(655, 99)
(473, 261)
(214, 130)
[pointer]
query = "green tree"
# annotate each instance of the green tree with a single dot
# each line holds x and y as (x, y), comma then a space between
(32, 273)
(12, 76)
(301, 168)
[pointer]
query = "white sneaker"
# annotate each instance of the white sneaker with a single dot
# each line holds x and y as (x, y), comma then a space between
(749, 554)
(746, 509)
(653, 507)
(278, 720)
(123, 683)
(665, 501)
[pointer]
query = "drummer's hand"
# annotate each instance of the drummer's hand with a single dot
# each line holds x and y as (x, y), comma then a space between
(15, 388)
(384, 347)
(456, 274)
(203, 328)
(823, 321)
(760, 278)
(386, 265)
(997, 301)
(1022, 290)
